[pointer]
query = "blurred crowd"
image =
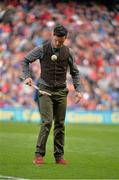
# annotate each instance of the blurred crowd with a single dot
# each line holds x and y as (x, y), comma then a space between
(93, 36)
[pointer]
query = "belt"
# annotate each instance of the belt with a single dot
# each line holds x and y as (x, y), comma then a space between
(52, 88)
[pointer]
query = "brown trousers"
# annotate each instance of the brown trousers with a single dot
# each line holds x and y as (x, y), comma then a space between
(52, 108)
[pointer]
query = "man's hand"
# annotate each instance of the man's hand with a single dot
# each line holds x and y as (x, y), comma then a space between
(78, 97)
(28, 81)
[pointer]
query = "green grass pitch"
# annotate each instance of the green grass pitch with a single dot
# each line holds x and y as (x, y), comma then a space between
(92, 152)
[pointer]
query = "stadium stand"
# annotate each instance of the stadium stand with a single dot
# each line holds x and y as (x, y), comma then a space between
(93, 36)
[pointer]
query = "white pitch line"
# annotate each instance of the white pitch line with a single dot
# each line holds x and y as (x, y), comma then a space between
(13, 178)
(17, 178)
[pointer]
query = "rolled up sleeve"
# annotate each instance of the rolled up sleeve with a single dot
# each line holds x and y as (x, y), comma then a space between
(74, 72)
(36, 53)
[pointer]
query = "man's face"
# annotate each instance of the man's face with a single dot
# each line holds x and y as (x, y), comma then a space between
(58, 41)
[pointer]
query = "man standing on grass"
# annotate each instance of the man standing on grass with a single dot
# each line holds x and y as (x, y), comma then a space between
(54, 58)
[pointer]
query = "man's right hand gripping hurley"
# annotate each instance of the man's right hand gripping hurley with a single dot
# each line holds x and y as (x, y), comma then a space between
(28, 81)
